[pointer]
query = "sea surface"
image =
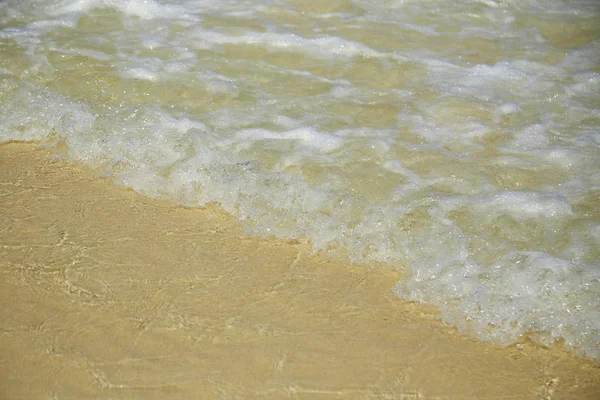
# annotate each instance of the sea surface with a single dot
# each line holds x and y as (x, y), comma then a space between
(457, 141)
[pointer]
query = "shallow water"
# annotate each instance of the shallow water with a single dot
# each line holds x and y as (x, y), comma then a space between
(457, 142)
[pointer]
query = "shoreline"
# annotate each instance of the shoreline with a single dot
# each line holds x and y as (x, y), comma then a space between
(106, 293)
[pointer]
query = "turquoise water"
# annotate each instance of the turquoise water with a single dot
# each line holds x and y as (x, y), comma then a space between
(458, 143)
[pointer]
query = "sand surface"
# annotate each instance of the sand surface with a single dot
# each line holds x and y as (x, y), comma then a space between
(105, 293)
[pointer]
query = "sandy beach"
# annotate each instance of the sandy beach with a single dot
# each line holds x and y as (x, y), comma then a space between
(106, 293)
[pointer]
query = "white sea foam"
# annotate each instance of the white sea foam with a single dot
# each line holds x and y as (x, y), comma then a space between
(320, 46)
(459, 146)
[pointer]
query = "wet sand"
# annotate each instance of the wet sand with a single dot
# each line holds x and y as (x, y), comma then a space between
(105, 293)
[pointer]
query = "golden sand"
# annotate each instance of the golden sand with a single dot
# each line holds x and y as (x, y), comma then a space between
(105, 293)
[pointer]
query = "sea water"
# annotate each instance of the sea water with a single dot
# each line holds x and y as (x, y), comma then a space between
(456, 141)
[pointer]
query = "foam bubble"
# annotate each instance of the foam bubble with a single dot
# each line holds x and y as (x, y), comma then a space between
(30, 112)
(146, 9)
(318, 141)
